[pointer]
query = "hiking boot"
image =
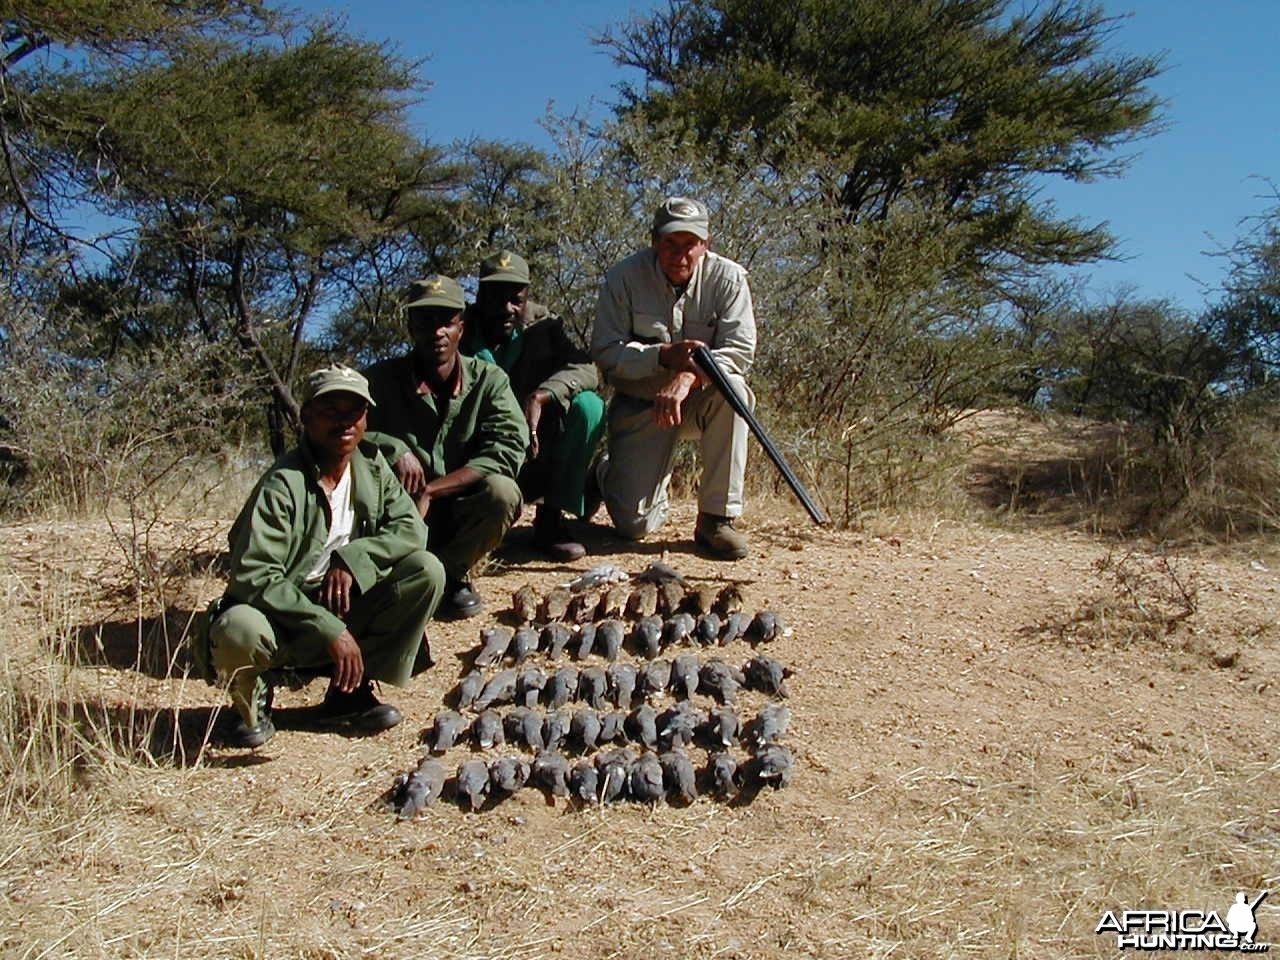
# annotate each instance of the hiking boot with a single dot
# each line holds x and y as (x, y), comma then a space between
(245, 733)
(359, 709)
(551, 536)
(460, 600)
(718, 538)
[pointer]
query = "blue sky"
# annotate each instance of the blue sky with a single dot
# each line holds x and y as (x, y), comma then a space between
(494, 65)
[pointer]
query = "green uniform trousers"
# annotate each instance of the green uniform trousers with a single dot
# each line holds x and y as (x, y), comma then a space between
(463, 528)
(566, 444)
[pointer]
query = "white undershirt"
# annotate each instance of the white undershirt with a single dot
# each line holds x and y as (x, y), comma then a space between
(342, 519)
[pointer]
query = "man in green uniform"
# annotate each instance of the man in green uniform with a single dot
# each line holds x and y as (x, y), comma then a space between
(555, 382)
(329, 573)
(454, 434)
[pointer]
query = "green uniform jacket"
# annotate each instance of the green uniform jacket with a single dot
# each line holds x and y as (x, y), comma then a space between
(483, 428)
(281, 531)
(549, 360)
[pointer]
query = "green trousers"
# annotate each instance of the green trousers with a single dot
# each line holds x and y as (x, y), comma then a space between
(566, 444)
(464, 528)
(388, 623)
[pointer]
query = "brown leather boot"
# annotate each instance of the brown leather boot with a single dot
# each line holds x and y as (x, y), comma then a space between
(718, 538)
(552, 536)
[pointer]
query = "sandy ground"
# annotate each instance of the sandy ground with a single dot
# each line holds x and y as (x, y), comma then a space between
(1000, 734)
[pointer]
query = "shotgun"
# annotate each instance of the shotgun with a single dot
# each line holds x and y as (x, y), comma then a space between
(707, 363)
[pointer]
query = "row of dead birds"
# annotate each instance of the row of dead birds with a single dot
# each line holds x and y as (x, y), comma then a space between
(607, 638)
(586, 728)
(621, 683)
(611, 776)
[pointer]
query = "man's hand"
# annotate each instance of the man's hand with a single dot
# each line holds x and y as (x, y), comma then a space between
(411, 474)
(533, 415)
(667, 401)
(348, 664)
(338, 586)
(679, 356)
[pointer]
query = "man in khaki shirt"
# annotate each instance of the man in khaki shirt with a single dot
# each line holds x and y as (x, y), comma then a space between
(655, 308)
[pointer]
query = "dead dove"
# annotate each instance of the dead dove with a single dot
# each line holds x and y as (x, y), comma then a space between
(582, 608)
(670, 596)
(554, 638)
(500, 689)
(765, 626)
(729, 600)
(707, 629)
(584, 782)
(523, 643)
(525, 603)
(584, 729)
(679, 776)
(593, 687)
(555, 728)
(735, 625)
(609, 637)
(766, 675)
(493, 645)
(622, 684)
(684, 675)
(723, 726)
(678, 724)
(446, 728)
(556, 604)
(551, 770)
(678, 629)
(419, 790)
(508, 774)
(659, 572)
(614, 601)
(530, 682)
(645, 779)
(613, 766)
(469, 688)
(564, 687)
(723, 775)
(769, 725)
(773, 764)
(648, 634)
(473, 783)
(721, 679)
(699, 598)
(487, 730)
(656, 677)
(642, 726)
(523, 725)
(643, 601)
(586, 641)
(612, 727)
(600, 575)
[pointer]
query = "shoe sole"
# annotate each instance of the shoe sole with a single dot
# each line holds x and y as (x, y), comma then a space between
(718, 554)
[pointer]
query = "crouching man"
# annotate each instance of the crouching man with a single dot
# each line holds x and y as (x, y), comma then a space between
(329, 573)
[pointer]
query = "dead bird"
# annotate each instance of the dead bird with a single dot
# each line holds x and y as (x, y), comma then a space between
(659, 572)
(600, 575)
(524, 642)
(493, 645)
(473, 783)
(614, 601)
(699, 598)
(468, 689)
(612, 727)
(613, 767)
(555, 728)
(508, 774)
(723, 726)
(735, 625)
(656, 677)
(729, 600)
(446, 727)
(772, 764)
(582, 608)
(765, 627)
(418, 790)
(586, 641)
(584, 729)
(500, 689)
(486, 729)
(767, 675)
(723, 680)
(593, 687)
(609, 637)
(564, 687)
(670, 596)
(678, 724)
(524, 602)
(622, 684)
(723, 774)
(551, 770)
(530, 682)
(555, 636)
(645, 779)
(684, 675)
(584, 782)
(642, 726)
(523, 725)
(678, 775)
(769, 726)
(556, 604)
(643, 601)
(707, 629)
(648, 634)
(677, 630)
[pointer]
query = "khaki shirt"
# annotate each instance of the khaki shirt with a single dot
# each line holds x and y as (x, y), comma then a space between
(638, 310)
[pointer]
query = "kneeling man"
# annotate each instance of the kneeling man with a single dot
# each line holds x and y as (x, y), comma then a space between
(329, 573)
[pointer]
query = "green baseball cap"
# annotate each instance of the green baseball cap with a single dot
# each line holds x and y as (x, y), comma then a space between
(336, 377)
(436, 291)
(505, 266)
(682, 215)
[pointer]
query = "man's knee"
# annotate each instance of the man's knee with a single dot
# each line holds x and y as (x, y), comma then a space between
(633, 524)
(421, 573)
(241, 636)
(500, 496)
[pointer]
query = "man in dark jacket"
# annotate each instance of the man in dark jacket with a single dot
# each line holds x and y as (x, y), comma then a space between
(555, 383)
(329, 573)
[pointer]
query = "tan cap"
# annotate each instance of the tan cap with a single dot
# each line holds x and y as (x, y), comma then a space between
(505, 266)
(681, 215)
(436, 291)
(336, 378)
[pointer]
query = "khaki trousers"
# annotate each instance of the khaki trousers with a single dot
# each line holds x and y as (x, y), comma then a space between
(635, 479)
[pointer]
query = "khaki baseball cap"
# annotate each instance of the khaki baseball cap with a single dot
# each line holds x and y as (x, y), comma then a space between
(505, 266)
(682, 215)
(337, 377)
(436, 291)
